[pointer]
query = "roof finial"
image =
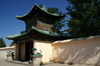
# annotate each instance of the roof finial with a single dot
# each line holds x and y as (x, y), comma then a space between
(35, 4)
(43, 7)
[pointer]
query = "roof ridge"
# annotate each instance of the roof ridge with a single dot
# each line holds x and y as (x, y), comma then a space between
(43, 9)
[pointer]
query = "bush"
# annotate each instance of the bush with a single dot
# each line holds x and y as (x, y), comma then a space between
(41, 63)
(34, 49)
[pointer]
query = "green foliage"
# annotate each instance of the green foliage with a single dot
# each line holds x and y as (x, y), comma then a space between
(41, 51)
(34, 49)
(41, 63)
(9, 52)
(2, 43)
(85, 17)
(59, 23)
(39, 55)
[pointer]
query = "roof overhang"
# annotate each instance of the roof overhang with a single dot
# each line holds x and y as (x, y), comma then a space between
(37, 9)
(48, 33)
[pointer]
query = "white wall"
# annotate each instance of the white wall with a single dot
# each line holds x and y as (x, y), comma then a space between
(46, 48)
(22, 51)
(3, 52)
(16, 51)
(84, 51)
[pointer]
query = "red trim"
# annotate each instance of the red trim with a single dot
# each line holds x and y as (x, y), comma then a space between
(37, 23)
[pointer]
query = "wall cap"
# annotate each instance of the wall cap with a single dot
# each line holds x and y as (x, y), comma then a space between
(7, 47)
(77, 39)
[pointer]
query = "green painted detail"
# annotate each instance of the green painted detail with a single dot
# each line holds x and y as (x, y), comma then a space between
(54, 34)
(43, 9)
(47, 32)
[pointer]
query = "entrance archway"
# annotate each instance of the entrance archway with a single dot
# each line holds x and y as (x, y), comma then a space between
(28, 50)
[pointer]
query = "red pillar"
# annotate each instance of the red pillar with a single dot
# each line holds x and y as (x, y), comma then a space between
(37, 23)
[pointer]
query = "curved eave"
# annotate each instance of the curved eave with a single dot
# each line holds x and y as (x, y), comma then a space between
(52, 34)
(16, 36)
(34, 9)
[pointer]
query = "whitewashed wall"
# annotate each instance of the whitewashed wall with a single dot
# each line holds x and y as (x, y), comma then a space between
(85, 51)
(3, 52)
(46, 48)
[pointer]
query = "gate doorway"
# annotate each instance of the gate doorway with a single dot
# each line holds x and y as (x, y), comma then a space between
(28, 50)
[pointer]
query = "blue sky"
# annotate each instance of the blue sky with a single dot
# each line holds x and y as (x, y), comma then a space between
(9, 25)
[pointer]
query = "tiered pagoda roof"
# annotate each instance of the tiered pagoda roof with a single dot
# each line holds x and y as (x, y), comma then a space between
(35, 32)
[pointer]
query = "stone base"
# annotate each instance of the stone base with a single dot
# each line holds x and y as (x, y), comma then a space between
(37, 61)
(9, 58)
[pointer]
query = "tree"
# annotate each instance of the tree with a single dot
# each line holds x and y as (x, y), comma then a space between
(59, 23)
(2, 43)
(85, 17)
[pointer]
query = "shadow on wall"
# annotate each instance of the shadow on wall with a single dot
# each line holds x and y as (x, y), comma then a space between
(81, 54)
